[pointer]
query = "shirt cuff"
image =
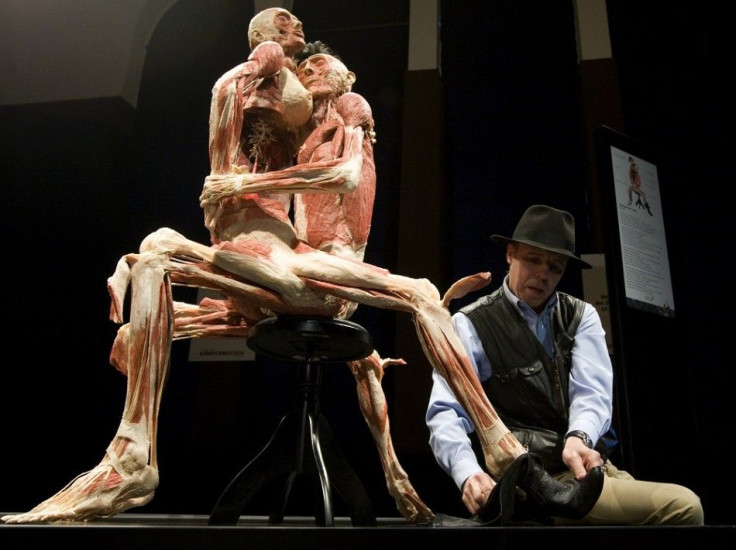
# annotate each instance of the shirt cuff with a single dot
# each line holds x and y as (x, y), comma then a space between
(463, 470)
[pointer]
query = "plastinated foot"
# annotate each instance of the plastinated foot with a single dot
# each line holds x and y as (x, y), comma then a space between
(114, 485)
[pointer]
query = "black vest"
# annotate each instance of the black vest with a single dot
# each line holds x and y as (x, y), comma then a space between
(528, 389)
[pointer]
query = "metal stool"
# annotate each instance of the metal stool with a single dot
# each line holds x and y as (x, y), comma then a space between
(303, 441)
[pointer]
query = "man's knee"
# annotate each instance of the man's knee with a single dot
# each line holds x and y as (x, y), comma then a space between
(692, 509)
(682, 507)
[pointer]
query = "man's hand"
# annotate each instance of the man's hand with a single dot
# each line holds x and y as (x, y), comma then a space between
(476, 490)
(579, 458)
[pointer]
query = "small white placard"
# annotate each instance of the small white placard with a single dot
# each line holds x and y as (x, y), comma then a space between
(218, 349)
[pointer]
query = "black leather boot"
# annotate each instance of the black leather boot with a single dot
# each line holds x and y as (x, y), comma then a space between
(501, 503)
(568, 499)
(509, 505)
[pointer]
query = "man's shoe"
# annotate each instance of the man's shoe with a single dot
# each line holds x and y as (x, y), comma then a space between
(568, 499)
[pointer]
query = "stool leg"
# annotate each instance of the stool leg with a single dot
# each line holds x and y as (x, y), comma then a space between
(326, 457)
(319, 462)
(273, 461)
(278, 508)
(344, 479)
(311, 378)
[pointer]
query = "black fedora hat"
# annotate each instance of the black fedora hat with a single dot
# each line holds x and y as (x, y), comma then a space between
(546, 228)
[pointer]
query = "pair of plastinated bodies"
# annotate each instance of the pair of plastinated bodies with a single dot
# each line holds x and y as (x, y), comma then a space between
(279, 135)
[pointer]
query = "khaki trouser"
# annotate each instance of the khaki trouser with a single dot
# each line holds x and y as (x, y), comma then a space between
(628, 501)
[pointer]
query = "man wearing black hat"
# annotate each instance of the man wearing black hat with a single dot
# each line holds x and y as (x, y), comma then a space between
(542, 359)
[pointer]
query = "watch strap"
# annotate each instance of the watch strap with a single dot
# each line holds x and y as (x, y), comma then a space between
(581, 435)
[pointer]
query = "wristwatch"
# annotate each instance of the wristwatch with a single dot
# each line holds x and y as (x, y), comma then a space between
(582, 435)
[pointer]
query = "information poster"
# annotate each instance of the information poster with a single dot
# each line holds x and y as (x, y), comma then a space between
(646, 266)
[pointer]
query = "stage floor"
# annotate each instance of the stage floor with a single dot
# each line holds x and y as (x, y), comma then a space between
(127, 531)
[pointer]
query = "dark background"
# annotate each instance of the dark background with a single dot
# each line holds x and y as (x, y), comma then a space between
(83, 182)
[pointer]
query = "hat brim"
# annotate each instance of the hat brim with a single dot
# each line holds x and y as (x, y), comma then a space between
(503, 241)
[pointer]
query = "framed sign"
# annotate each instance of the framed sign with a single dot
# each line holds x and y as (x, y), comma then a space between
(636, 241)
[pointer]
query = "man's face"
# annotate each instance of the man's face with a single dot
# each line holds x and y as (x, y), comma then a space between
(323, 75)
(534, 273)
(280, 26)
(291, 35)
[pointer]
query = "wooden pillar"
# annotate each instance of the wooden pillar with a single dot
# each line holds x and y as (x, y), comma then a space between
(422, 210)
(600, 99)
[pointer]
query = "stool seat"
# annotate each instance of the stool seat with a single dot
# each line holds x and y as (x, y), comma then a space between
(303, 441)
(313, 339)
